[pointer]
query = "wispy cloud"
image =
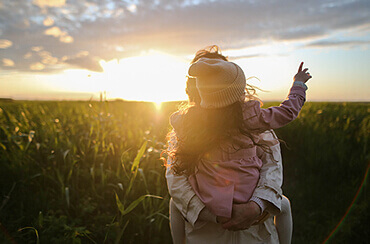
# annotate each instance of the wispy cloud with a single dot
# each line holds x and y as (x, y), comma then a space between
(116, 29)
(330, 43)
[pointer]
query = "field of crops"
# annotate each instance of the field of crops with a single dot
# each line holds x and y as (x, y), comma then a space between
(90, 172)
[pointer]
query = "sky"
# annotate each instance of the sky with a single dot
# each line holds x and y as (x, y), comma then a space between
(141, 49)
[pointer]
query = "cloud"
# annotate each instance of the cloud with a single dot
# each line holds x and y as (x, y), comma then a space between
(56, 32)
(48, 21)
(49, 3)
(7, 62)
(246, 56)
(37, 48)
(132, 8)
(86, 63)
(5, 43)
(53, 31)
(37, 66)
(66, 39)
(113, 29)
(47, 58)
(331, 43)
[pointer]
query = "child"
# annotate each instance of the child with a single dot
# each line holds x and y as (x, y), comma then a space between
(217, 140)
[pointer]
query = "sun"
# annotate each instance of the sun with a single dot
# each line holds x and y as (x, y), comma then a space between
(154, 76)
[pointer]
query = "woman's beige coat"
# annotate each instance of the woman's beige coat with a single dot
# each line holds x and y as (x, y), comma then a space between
(201, 230)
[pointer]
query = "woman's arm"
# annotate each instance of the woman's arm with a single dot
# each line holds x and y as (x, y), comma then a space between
(183, 195)
(271, 173)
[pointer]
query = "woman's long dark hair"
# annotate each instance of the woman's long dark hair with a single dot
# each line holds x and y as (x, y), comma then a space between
(202, 130)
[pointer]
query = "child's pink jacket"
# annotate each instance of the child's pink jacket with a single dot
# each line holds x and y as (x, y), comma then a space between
(225, 175)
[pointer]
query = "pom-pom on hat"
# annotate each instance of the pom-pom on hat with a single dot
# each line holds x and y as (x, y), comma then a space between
(220, 83)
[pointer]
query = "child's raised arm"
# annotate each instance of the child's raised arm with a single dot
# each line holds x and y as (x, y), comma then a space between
(257, 118)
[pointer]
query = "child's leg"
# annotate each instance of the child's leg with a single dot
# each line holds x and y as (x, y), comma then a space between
(284, 222)
(177, 224)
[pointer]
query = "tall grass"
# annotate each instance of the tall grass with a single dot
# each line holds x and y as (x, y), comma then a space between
(327, 159)
(80, 172)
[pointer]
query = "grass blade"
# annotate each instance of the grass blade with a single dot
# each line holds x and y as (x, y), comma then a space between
(134, 204)
(120, 206)
(141, 152)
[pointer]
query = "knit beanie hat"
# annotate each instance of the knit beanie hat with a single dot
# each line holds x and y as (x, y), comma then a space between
(220, 83)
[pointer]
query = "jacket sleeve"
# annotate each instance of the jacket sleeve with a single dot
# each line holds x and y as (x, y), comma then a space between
(271, 173)
(274, 117)
(183, 196)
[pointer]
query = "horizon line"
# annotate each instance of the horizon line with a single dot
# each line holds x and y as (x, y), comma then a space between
(9, 99)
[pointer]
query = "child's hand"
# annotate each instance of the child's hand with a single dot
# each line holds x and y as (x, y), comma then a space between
(243, 216)
(302, 75)
(222, 220)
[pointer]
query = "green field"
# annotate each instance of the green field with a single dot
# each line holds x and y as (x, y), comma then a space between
(89, 172)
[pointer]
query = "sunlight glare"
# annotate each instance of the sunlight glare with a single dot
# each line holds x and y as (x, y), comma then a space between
(158, 105)
(155, 77)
